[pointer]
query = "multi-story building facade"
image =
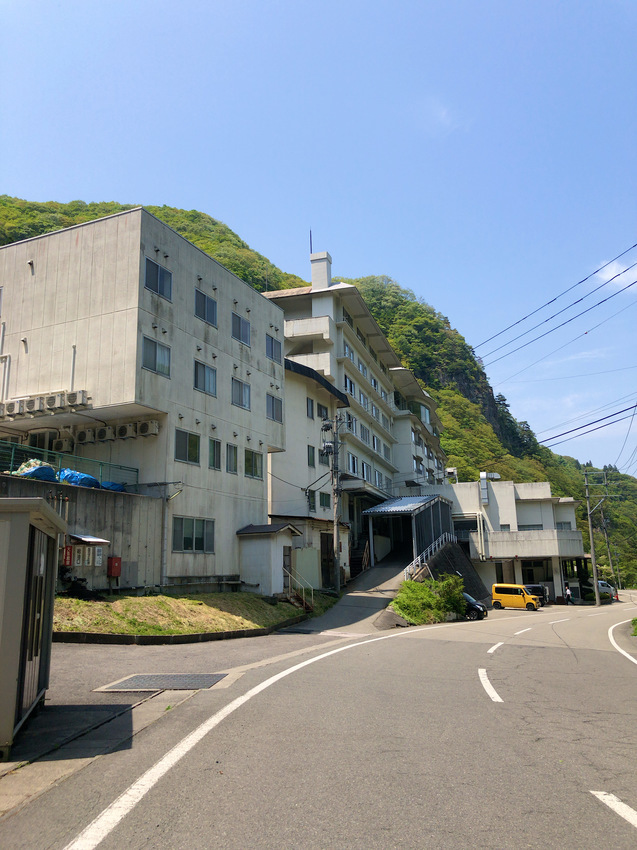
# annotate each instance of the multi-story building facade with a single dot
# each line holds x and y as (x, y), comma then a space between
(388, 433)
(123, 343)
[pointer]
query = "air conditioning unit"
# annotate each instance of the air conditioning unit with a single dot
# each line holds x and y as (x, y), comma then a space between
(106, 433)
(56, 401)
(125, 432)
(147, 429)
(2, 413)
(14, 408)
(63, 445)
(77, 399)
(85, 436)
(35, 404)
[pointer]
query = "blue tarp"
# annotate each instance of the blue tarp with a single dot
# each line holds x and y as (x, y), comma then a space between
(113, 485)
(41, 473)
(70, 476)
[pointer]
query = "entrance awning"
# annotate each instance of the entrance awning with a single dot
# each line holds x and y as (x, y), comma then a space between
(405, 505)
(89, 540)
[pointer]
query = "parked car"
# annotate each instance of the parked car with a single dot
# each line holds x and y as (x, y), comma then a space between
(538, 590)
(475, 610)
(605, 587)
(513, 596)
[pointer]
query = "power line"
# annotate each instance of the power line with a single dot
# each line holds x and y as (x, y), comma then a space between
(594, 422)
(537, 310)
(572, 377)
(585, 413)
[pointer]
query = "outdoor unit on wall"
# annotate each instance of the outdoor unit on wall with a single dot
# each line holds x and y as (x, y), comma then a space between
(77, 399)
(65, 445)
(106, 433)
(55, 401)
(35, 404)
(14, 408)
(125, 432)
(87, 435)
(147, 429)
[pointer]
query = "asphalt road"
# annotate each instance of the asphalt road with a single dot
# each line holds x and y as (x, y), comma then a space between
(491, 734)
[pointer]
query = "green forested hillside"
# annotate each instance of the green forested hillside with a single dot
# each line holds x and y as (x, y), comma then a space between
(479, 431)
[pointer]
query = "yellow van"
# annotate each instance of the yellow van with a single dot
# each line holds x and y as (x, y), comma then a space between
(513, 596)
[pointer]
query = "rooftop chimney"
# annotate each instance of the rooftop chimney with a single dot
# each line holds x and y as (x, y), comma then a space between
(321, 270)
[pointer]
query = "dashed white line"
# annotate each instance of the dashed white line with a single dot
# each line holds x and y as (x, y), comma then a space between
(521, 632)
(617, 806)
(493, 648)
(615, 644)
(559, 621)
(486, 684)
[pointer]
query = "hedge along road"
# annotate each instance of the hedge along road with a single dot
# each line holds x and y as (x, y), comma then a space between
(355, 746)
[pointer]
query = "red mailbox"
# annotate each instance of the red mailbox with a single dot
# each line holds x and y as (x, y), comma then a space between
(114, 567)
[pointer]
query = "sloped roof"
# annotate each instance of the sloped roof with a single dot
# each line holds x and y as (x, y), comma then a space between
(404, 505)
(271, 528)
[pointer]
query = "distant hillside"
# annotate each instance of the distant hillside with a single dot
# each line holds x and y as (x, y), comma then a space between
(479, 431)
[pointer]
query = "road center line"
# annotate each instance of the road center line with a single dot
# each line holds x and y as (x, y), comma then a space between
(559, 621)
(106, 822)
(617, 806)
(494, 647)
(615, 644)
(486, 684)
(521, 632)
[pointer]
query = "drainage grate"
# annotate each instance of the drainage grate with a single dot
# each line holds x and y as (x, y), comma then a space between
(166, 682)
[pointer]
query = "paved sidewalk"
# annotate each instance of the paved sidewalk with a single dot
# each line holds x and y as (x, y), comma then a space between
(79, 723)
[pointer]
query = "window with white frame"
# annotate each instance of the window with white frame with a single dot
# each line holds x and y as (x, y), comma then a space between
(309, 407)
(350, 386)
(253, 464)
(349, 351)
(385, 422)
(352, 463)
(362, 368)
(363, 399)
(378, 479)
(272, 348)
(158, 279)
(350, 422)
(367, 471)
(273, 408)
(375, 412)
(214, 454)
(205, 378)
(186, 446)
(388, 483)
(155, 357)
(374, 382)
(232, 455)
(376, 443)
(240, 393)
(191, 534)
(240, 329)
(563, 526)
(205, 308)
(347, 318)
(311, 456)
(386, 452)
(364, 434)
(321, 411)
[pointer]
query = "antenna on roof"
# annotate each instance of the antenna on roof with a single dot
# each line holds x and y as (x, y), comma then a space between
(311, 252)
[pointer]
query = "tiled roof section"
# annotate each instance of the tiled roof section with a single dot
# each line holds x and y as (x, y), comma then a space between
(272, 528)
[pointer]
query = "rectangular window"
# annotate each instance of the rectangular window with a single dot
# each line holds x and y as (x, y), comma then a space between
(364, 400)
(272, 348)
(532, 526)
(361, 336)
(364, 434)
(156, 357)
(362, 368)
(321, 411)
(240, 329)
(505, 526)
(385, 421)
(374, 383)
(253, 464)
(205, 378)
(378, 479)
(240, 394)
(311, 500)
(186, 446)
(563, 526)
(231, 459)
(350, 386)
(309, 406)
(386, 452)
(324, 458)
(193, 535)
(274, 408)
(347, 318)
(214, 454)
(349, 351)
(311, 456)
(350, 422)
(352, 463)
(158, 279)
(367, 471)
(376, 443)
(375, 412)
(205, 307)
(325, 500)
(388, 484)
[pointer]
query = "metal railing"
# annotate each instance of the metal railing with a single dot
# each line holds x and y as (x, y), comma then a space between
(419, 564)
(299, 587)
(13, 455)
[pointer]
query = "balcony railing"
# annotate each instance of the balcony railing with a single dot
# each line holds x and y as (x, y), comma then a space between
(13, 455)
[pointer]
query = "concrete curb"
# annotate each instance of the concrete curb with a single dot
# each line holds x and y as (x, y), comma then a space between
(158, 640)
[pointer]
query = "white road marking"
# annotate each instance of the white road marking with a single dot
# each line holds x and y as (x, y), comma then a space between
(614, 642)
(486, 684)
(617, 806)
(559, 621)
(521, 632)
(493, 648)
(106, 822)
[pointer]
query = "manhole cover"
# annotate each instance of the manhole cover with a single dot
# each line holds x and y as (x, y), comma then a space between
(166, 682)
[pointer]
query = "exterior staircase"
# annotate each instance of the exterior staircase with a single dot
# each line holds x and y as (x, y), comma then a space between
(359, 559)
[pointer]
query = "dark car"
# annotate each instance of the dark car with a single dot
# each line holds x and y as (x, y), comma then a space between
(538, 590)
(475, 610)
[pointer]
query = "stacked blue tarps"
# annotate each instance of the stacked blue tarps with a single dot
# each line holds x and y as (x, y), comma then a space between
(36, 469)
(79, 479)
(114, 486)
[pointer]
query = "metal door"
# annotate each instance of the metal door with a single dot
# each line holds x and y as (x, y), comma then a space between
(327, 560)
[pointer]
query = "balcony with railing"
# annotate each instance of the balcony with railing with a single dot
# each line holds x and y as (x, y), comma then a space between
(14, 455)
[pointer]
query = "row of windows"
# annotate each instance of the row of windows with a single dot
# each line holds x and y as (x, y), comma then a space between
(352, 425)
(188, 450)
(367, 473)
(193, 535)
(361, 336)
(324, 500)
(324, 458)
(321, 411)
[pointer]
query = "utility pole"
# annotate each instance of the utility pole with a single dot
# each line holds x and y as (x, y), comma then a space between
(590, 532)
(334, 426)
(610, 559)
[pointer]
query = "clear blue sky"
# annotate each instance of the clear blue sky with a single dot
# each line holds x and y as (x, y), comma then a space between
(482, 154)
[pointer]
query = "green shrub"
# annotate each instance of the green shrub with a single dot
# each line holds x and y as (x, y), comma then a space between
(429, 601)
